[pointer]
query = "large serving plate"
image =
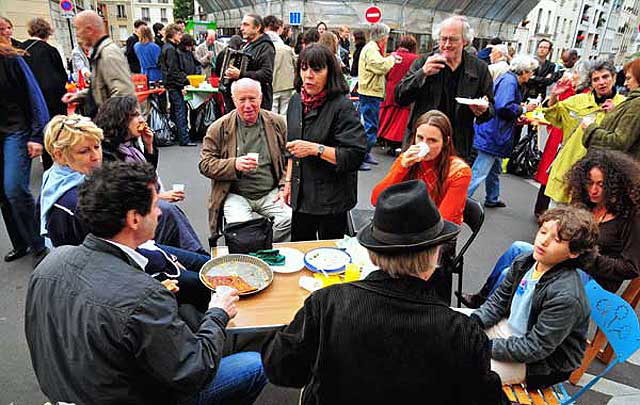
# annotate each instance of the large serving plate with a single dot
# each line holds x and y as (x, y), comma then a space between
(327, 259)
(252, 270)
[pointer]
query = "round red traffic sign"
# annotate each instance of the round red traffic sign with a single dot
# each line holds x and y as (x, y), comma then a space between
(66, 5)
(373, 15)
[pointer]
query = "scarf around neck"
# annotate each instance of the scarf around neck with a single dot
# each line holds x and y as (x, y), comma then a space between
(131, 154)
(312, 102)
(55, 182)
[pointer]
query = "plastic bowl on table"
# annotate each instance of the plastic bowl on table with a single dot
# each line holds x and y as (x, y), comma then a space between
(195, 80)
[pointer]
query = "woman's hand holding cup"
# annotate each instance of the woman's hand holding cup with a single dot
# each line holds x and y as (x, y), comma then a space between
(411, 156)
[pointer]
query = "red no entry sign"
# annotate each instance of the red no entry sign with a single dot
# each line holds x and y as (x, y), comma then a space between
(373, 15)
(66, 5)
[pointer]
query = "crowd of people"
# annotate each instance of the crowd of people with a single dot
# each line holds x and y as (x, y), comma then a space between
(289, 146)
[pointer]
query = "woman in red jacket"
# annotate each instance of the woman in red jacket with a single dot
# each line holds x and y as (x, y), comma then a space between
(447, 176)
(394, 118)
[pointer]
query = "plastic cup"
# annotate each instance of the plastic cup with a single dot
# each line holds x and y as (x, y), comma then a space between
(254, 156)
(351, 272)
(178, 188)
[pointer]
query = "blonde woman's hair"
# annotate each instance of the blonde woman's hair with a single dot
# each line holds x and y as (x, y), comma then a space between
(64, 132)
(406, 264)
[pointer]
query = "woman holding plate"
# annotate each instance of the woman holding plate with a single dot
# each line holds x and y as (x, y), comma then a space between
(327, 145)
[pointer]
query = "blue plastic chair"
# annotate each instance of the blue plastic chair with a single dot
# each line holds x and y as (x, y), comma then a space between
(619, 323)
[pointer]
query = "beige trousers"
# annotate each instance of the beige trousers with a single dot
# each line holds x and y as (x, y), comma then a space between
(510, 373)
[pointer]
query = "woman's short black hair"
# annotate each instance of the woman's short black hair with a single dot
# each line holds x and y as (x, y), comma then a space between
(111, 191)
(310, 36)
(113, 118)
(157, 27)
(318, 57)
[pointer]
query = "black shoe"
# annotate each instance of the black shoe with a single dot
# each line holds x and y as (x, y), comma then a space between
(15, 254)
(364, 167)
(472, 301)
(370, 159)
(496, 204)
(189, 144)
(38, 256)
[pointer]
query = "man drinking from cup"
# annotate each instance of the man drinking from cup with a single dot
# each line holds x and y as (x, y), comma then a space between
(243, 155)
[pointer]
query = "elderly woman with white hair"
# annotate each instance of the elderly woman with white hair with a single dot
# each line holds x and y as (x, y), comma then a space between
(494, 139)
(499, 56)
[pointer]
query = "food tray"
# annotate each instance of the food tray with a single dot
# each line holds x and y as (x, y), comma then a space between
(253, 270)
(331, 260)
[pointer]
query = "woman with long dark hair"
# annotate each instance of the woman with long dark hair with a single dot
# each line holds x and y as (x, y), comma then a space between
(122, 125)
(607, 183)
(23, 115)
(327, 145)
(447, 176)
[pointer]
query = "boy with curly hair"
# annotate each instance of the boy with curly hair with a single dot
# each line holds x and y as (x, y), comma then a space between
(538, 318)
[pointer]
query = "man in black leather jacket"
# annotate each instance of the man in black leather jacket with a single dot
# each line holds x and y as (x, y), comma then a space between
(102, 331)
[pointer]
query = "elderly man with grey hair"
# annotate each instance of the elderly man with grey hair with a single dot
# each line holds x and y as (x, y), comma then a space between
(373, 67)
(499, 54)
(243, 155)
(205, 53)
(494, 139)
(435, 81)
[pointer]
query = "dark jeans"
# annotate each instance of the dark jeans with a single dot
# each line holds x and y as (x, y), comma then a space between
(17, 241)
(192, 291)
(370, 111)
(174, 229)
(317, 227)
(179, 115)
(16, 176)
(238, 381)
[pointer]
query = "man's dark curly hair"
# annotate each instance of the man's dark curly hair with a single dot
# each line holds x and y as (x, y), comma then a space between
(113, 118)
(111, 191)
(621, 182)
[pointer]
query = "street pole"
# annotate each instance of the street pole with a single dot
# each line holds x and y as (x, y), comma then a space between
(70, 33)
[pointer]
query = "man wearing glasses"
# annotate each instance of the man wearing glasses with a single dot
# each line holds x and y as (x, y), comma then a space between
(434, 82)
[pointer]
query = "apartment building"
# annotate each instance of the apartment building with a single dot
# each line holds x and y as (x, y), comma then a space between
(153, 11)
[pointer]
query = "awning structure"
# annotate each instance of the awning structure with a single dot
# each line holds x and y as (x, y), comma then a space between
(509, 11)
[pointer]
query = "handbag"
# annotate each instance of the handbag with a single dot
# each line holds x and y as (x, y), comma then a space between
(525, 156)
(249, 236)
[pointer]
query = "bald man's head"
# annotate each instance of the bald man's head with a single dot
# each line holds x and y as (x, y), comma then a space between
(89, 27)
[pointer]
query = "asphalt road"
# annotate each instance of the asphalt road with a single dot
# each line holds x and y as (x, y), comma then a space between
(18, 384)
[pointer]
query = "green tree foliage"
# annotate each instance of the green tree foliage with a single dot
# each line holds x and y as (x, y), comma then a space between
(182, 9)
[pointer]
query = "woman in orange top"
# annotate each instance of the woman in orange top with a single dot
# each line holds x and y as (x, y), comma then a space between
(446, 175)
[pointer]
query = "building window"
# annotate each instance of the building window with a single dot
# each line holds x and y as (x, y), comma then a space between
(145, 14)
(120, 11)
(124, 33)
(163, 1)
(538, 21)
(163, 15)
(145, 1)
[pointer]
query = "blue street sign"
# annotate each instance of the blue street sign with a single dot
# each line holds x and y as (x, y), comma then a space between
(66, 5)
(295, 18)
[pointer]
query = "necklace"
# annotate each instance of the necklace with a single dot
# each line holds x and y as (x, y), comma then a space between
(600, 214)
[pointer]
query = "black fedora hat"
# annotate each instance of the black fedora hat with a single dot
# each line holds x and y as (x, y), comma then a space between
(406, 219)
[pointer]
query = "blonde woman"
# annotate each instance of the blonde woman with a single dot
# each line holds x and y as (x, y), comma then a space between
(74, 142)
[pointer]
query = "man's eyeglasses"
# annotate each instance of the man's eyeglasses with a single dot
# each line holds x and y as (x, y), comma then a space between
(452, 40)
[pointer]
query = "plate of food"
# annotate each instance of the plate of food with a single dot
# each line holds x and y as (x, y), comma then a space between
(327, 260)
(247, 274)
(472, 101)
(294, 261)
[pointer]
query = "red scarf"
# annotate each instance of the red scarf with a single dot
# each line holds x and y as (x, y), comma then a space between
(312, 102)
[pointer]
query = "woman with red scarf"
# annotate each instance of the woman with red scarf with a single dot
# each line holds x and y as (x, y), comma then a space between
(394, 118)
(327, 145)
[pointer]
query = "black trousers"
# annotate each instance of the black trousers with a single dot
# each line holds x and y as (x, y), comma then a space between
(542, 202)
(316, 227)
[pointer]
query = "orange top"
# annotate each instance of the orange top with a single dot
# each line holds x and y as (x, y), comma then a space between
(454, 192)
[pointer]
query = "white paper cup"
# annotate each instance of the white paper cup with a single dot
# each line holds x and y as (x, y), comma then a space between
(254, 155)
(223, 289)
(178, 188)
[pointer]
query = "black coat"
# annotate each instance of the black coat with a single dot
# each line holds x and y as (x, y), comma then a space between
(189, 63)
(317, 186)
(15, 110)
(426, 92)
(382, 341)
(101, 331)
(132, 58)
(173, 72)
(47, 66)
(260, 67)
(542, 78)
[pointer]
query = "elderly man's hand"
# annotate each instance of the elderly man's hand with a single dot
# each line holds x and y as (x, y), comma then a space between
(302, 149)
(434, 64)
(225, 298)
(479, 109)
(232, 73)
(69, 98)
(246, 164)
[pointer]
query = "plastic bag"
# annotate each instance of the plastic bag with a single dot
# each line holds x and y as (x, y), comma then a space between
(525, 156)
(206, 116)
(163, 128)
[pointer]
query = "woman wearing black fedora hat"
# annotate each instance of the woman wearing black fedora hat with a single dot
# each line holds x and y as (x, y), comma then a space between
(387, 338)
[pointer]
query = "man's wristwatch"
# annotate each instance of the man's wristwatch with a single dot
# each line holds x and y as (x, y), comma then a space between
(320, 150)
